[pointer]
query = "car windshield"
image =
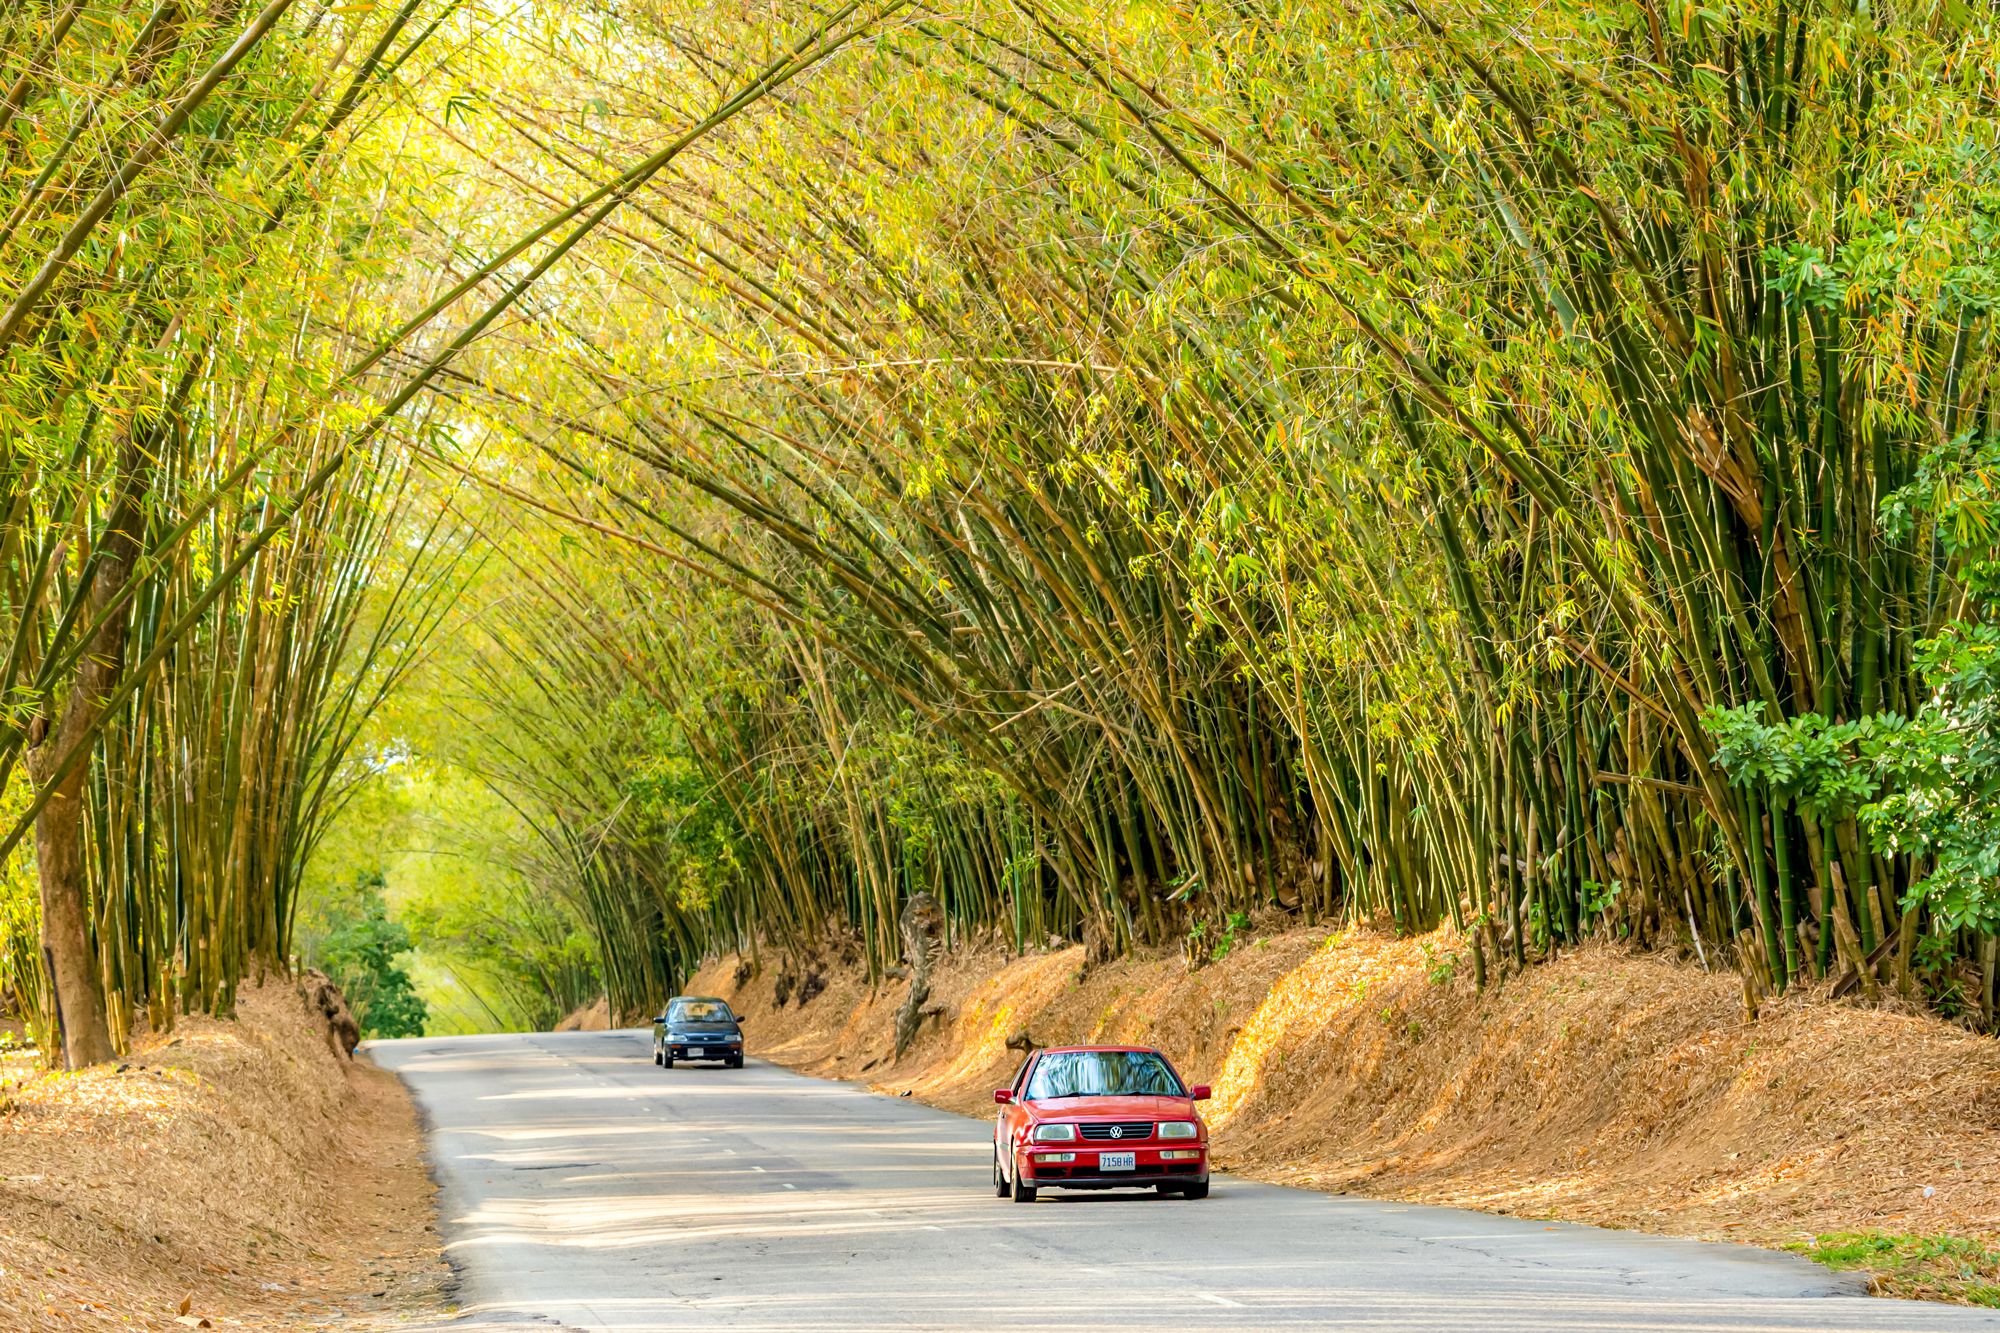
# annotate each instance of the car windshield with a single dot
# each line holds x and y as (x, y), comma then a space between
(1102, 1074)
(698, 1011)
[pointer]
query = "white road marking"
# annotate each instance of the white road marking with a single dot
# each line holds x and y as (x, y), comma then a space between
(790, 1186)
(1219, 1300)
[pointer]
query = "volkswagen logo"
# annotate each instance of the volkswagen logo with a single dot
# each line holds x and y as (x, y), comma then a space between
(1117, 1131)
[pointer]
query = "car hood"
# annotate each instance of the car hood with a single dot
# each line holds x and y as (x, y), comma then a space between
(706, 1028)
(1114, 1108)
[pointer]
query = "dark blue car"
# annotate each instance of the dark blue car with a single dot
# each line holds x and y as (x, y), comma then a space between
(696, 1027)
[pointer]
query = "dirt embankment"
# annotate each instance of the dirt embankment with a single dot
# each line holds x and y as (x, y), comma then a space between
(592, 1017)
(229, 1174)
(1602, 1087)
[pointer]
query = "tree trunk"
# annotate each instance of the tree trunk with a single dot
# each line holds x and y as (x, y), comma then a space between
(67, 948)
(923, 940)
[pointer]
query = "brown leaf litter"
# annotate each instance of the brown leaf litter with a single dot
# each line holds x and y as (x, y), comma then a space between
(1604, 1086)
(229, 1174)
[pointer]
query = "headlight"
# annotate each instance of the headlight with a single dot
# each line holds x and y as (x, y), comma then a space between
(1054, 1133)
(1177, 1129)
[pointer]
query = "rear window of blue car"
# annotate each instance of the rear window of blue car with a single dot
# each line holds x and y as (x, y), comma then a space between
(1102, 1074)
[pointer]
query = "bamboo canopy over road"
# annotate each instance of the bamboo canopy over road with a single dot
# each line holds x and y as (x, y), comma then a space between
(212, 576)
(1123, 474)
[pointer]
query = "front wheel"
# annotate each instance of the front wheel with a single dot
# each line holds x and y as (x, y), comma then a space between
(666, 1061)
(735, 1062)
(1197, 1191)
(1023, 1191)
(656, 1055)
(999, 1180)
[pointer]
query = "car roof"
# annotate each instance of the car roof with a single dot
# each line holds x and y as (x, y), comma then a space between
(698, 999)
(1108, 1050)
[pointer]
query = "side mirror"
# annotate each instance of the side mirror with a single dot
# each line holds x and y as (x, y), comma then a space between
(661, 1019)
(737, 1020)
(1003, 1095)
(1199, 1092)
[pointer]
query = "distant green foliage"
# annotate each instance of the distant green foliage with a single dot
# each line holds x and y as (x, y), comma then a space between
(361, 953)
(527, 958)
(490, 949)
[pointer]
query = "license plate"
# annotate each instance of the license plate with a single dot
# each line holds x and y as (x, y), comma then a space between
(1117, 1161)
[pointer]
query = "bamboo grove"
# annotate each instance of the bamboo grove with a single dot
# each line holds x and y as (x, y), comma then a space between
(1126, 472)
(1123, 471)
(181, 687)
(228, 275)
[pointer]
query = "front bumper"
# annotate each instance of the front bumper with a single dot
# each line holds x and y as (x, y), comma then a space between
(1083, 1172)
(705, 1050)
(1118, 1180)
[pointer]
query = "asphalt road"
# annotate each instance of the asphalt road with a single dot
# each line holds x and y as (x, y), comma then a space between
(584, 1187)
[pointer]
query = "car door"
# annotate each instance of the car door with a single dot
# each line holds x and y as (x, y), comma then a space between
(1013, 1115)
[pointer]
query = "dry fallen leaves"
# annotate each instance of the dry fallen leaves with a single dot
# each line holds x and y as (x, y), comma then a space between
(1604, 1086)
(239, 1165)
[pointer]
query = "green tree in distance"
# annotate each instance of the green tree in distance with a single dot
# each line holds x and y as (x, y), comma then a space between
(361, 952)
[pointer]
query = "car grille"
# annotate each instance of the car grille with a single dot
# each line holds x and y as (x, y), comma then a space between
(1128, 1131)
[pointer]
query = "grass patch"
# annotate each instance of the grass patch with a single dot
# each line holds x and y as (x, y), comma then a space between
(1930, 1268)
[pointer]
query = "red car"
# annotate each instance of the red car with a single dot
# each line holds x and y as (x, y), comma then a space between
(1098, 1118)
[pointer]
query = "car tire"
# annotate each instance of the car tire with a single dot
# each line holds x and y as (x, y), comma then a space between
(656, 1055)
(666, 1061)
(1000, 1190)
(1195, 1191)
(1022, 1192)
(735, 1062)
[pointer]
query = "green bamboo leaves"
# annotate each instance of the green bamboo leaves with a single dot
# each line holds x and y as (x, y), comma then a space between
(1328, 459)
(221, 327)
(1115, 472)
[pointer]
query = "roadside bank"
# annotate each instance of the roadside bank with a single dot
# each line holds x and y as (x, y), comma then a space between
(1605, 1086)
(228, 1174)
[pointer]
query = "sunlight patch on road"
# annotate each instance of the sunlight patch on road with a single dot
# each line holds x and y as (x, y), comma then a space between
(572, 1094)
